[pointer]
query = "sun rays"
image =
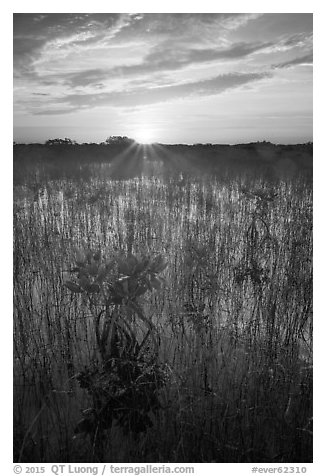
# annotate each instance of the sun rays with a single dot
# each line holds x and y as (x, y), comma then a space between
(144, 136)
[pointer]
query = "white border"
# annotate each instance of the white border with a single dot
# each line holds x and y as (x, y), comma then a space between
(316, 7)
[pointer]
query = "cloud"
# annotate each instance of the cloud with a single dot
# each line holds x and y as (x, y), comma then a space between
(34, 32)
(65, 43)
(144, 96)
(302, 60)
(183, 25)
(235, 51)
(86, 78)
(299, 40)
(56, 112)
(161, 59)
(37, 35)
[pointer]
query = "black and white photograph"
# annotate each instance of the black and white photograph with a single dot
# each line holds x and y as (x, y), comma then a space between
(162, 238)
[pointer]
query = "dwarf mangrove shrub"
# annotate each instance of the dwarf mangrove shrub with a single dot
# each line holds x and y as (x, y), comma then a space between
(125, 376)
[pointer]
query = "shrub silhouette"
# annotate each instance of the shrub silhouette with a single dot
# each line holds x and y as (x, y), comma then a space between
(124, 381)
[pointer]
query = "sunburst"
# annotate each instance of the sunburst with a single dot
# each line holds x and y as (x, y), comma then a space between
(144, 136)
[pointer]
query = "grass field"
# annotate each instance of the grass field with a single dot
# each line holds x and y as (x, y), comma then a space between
(232, 320)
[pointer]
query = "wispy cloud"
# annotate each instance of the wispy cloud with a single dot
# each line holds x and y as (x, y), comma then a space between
(86, 78)
(143, 96)
(168, 58)
(160, 60)
(302, 60)
(34, 33)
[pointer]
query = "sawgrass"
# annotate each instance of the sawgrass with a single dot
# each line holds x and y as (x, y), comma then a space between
(238, 345)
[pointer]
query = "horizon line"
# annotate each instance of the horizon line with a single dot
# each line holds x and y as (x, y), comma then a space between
(104, 143)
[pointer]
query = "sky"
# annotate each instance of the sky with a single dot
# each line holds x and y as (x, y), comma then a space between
(160, 77)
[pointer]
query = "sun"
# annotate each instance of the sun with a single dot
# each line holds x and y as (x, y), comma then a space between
(144, 136)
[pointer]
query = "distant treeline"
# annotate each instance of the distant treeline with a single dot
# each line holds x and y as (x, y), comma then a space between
(124, 158)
